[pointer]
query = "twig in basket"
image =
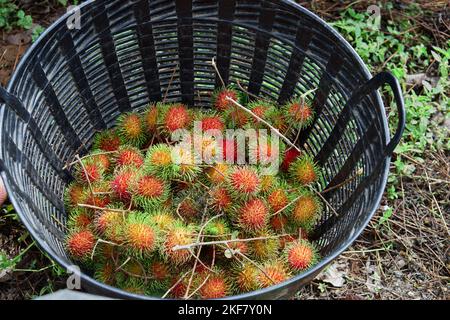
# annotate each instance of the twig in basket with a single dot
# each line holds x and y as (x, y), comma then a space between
(326, 202)
(170, 83)
(213, 62)
(176, 283)
(358, 173)
(83, 205)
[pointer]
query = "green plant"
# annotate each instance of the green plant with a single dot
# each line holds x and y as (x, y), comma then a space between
(11, 17)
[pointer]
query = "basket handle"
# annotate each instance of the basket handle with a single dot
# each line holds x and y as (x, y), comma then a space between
(376, 83)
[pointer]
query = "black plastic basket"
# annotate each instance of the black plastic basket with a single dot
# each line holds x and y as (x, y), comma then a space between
(72, 83)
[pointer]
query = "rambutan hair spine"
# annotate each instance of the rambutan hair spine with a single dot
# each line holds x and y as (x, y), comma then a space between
(131, 129)
(300, 255)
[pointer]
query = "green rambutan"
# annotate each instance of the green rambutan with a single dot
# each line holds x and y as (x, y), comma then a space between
(301, 255)
(217, 173)
(158, 162)
(299, 114)
(109, 225)
(103, 159)
(74, 195)
(80, 245)
(304, 171)
(279, 121)
(129, 156)
(266, 249)
(306, 211)
(243, 182)
(246, 277)
(162, 220)
(217, 227)
(274, 273)
(140, 236)
(178, 235)
(131, 129)
(188, 170)
(105, 272)
(149, 192)
(107, 141)
(220, 101)
(215, 287)
(220, 199)
(253, 215)
(268, 182)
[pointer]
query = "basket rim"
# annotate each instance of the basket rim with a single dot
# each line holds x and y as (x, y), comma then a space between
(118, 293)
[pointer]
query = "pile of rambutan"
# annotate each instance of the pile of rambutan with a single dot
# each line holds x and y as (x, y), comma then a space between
(204, 227)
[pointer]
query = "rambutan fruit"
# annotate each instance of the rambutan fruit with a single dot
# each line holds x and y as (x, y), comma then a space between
(80, 244)
(187, 207)
(215, 287)
(100, 195)
(279, 222)
(299, 114)
(217, 173)
(131, 129)
(220, 199)
(304, 171)
(140, 236)
(268, 182)
(178, 235)
(179, 287)
(253, 215)
(237, 118)
(103, 159)
(151, 118)
(212, 122)
(290, 156)
(162, 220)
(105, 272)
(74, 195)
(264, 152)
(107, 140)
(121, 183)
(265, 249)
(243, 182)
(109, 225)
(306, 210)
(274, 273)
(301, 255)
(175, 117)
(262, 109)
(89, 172)
(246, 277)
(79, 219)
(158, 162)
(160, 274)
(279, 121)
(184, 158)
(129, 156)
(220, 101)
(285, 240)
(217, 227)
(278, 198)
(149, 192)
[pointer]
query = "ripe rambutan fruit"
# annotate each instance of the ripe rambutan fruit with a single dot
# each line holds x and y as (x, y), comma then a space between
(175, 117)
(80, 245)
(279, 121)
(243, 182)
(121, 183)
(220, 101)
(290, 156)
(178, 235)
(220, 199)
(74, 195)
(79, 219)
(90, 172)
(237, 118)
(301, 255)
(274, 273)
(100, 195)
(140, 236)
(186, 206)
(160, 274)
(151, 118)
(149, 192)
(215, 287)
(185, 159)
(278, 198)
(246, 277)
(217, 173)
(107, 140)
(158, 162)
(306, 211)
(105, 272)
(263, 250)
(299, 114)
(279, 222)
(253, 215)
(217, 227)
(304, 171)
(263, 151)
(109, 225)
(129, 156)
(103, 159)
(262, 109)
(268, 182)
(179, 288)
(212, 122)
(131, 129)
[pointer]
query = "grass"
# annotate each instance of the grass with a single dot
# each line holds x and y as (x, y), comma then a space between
(402, 253)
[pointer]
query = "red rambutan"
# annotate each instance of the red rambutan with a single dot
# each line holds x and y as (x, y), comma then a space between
(217, 173)
(178, 235)
(253, 215)
(220, 199)
(80, 244)
(149, 192)
(215, 287)
(212, 123)
(306, 210)
(243, 182)
(79, 219)
(129, 156)
(107, 141)
(131, 129)
(304, 171)
(279, 222)
(299, 114)
(74, 195)
(290, 156)
(220, 100)
(140, 236)
(301, 255)
(121, 182)
(176, 117)
(151, 118)
(109, 224)
(274, 273)
(90, 172)
(278, 199)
